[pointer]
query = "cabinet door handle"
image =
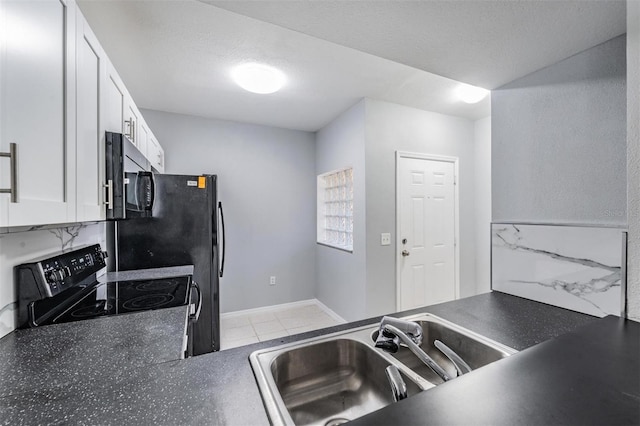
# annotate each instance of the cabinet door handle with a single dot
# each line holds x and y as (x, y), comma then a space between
(129, 134)
(13, 163)
(109, 188)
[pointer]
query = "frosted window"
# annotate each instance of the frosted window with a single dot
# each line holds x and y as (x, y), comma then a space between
(335, 209)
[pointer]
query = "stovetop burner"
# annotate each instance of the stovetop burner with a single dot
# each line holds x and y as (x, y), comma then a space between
(155, 285)
(99, 308)
(148, 302)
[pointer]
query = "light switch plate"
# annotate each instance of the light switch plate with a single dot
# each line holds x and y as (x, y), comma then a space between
(385, 239)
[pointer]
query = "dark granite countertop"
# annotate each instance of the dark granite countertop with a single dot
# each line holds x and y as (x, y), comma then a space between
(590, 376)
(219, 388)
(83, 352)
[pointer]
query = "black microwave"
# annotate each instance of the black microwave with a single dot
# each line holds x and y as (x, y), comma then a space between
(130, 187)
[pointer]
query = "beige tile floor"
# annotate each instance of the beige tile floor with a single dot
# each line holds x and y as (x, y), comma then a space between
(244, 329)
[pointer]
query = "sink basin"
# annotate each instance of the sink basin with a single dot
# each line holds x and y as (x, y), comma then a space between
(474, 349)
(332, 379)
(324, 383)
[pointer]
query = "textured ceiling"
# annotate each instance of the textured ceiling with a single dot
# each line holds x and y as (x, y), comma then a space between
(176, 55)
(487, 43)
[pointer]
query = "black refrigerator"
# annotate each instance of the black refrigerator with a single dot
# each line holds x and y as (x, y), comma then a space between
(183, 230)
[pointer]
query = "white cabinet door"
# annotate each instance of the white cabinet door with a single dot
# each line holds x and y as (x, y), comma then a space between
(155, 154)
(142, 138)
(160, 157)
(90, 135)
(37, 95)
(115, 95)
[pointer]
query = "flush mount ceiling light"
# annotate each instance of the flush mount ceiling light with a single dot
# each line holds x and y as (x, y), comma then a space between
(258, 78)
(471, 94)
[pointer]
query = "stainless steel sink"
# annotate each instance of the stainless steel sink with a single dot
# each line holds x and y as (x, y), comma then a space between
(333, 381)
(338, 377)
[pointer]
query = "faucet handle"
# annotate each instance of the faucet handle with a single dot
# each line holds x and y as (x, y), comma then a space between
(410, 328)
(387, 341)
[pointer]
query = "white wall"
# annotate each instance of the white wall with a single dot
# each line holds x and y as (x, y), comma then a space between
(389, 128)
(341, 276)
(28, 246)
(633, 158)
(482, 181)
(267, 186)
(565, 144)
(559, 141)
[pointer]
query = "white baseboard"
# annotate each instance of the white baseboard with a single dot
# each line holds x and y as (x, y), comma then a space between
(300, 303)
(330, 312)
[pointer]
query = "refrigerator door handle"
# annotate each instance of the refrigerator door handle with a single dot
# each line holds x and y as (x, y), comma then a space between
(224, 240)
(196, 315)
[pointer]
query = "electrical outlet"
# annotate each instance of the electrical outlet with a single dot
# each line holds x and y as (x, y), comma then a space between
(385, 239)
(272, 280)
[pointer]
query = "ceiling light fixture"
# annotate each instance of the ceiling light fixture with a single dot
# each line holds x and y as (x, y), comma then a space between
(471, 94)
(258, 78)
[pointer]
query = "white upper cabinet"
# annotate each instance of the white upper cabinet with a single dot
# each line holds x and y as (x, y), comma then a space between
(115, 94)
(59, 93)
(132, 122)
(142, 138)
(91, 72)
(37, 92)
(155, 154)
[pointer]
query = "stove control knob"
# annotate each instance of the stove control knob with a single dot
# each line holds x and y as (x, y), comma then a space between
(57, 275)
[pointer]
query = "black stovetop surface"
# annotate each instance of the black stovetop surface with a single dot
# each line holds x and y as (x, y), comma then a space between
(125, 296)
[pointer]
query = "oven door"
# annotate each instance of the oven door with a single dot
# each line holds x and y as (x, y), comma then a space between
(130, 186)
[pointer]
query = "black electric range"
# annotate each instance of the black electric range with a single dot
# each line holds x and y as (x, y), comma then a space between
(65, 288)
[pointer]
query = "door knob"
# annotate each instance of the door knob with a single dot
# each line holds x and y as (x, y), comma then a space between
(405, 253)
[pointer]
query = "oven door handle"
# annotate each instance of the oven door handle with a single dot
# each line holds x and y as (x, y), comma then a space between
(196, 315)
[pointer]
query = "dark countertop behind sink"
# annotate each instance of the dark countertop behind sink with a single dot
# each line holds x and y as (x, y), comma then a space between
(219, 388)
(590, 376)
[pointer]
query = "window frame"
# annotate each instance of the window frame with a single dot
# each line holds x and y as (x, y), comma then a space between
(335, 195)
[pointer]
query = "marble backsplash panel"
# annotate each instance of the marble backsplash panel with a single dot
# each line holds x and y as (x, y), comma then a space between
(573, 267)
(33, 244)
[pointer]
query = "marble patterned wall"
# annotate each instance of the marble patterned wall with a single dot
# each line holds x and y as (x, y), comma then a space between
(33, 244)
(573, 267)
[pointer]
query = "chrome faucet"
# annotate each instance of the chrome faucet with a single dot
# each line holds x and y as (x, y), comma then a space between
(398, 385)
(393, 330)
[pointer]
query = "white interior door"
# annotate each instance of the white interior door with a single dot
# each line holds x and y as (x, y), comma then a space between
(426, 231)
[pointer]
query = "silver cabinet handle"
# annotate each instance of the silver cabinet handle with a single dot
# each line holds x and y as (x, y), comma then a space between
(109, 187)
(13, 163)
(405, 253)
(128, 132)
(131, 134)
